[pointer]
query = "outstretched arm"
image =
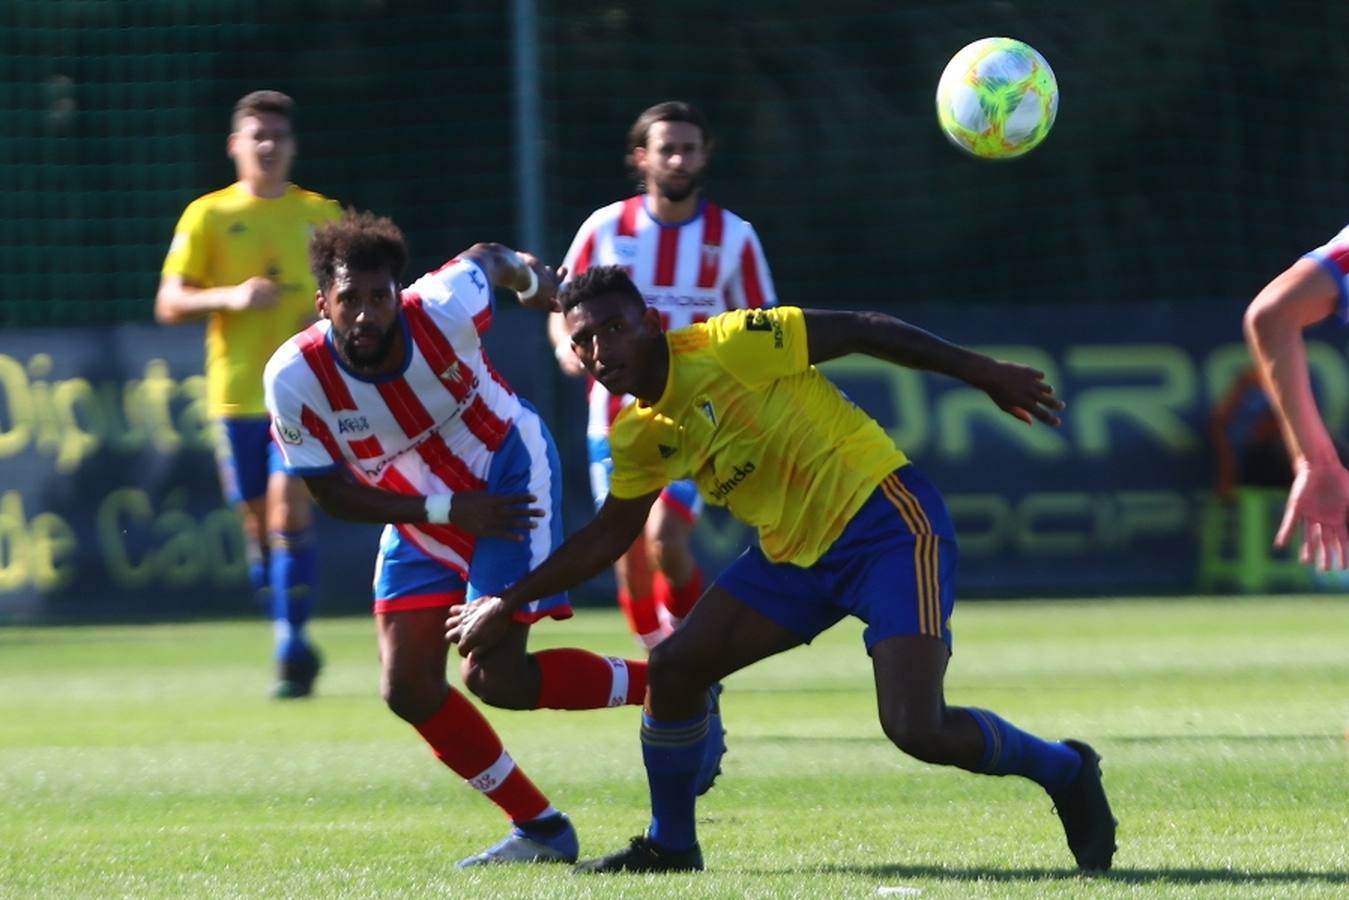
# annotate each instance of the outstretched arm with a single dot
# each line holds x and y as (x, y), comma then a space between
(1017, 390)
(506, 516)
(582, 556)
(1302, 295)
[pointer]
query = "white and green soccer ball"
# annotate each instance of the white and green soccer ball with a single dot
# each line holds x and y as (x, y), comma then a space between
(997, 98)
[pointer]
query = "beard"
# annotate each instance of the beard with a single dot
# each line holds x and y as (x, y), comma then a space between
(367, 359)
(677, 193)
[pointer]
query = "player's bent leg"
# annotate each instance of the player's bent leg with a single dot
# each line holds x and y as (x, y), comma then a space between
(722, 636)
(909, 672)
(676, 581)
(413, 655)
(505, 676)
(636, 597)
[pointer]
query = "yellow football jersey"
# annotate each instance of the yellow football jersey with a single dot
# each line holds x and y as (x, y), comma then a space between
(226, 237)
(759, 430)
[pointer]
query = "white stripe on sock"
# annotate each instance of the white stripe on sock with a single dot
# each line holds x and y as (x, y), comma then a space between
(618, 687)
(491, 778)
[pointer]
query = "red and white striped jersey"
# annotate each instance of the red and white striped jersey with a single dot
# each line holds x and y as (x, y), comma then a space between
(431, 428)
(689, 271)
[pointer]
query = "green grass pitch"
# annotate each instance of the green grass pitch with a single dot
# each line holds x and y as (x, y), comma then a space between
(146, 762)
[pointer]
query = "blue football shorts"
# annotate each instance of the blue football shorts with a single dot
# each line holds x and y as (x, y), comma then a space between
(681, 497)
(526, 463)
(245, 457)
(893, 567)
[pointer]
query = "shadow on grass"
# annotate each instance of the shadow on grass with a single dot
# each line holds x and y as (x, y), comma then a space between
(1121, 875)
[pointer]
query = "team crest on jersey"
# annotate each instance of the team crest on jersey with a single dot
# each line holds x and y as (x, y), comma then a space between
(625, 247)
(288, 433)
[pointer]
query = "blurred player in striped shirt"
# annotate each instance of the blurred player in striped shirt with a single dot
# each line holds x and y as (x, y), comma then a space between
(691, 259)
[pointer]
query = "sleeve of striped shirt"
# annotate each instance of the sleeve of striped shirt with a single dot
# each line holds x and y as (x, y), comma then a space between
(751, 286)
(460, 296)
(1333, 256)
(581, 254)
(307, 446)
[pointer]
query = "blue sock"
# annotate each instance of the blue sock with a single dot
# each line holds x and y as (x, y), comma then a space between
(1010, 751)
(673, 753)
(294, 567)
(258, 578)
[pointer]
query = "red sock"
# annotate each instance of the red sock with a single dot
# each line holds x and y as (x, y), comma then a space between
(642, 617)
(579, 679)
(679, 600)
(464, 740)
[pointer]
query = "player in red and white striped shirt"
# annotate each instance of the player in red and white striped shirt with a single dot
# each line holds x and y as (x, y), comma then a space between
(691, 259)
(391, 411)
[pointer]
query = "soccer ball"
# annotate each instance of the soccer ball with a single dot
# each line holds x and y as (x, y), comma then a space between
(997, 98)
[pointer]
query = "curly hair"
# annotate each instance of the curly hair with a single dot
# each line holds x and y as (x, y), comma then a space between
(361, 241)
(597, 282)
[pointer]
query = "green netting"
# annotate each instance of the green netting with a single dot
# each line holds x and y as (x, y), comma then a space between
(1195, 155)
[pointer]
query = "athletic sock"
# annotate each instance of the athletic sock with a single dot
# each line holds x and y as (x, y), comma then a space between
(678, 600)
(642, 618)
(578, 679)
(1010, 751)
(673, 754)
(465, 741)
(294, 568)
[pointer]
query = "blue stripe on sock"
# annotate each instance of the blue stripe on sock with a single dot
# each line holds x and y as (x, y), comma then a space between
(1010, 751)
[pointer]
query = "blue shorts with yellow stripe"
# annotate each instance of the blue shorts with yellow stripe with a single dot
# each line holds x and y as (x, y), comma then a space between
(893, 567)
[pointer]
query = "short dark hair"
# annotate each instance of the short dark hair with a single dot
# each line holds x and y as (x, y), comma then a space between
(669, 111)
(597, 282)
(361, 241)
(262, 102)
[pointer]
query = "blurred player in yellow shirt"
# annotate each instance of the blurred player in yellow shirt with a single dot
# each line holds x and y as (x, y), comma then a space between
(240, 259)
(847, 525)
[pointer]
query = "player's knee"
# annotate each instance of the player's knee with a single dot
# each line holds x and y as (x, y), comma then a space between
(918, 735)
(672, 674)
(409, 698)
(495, 688)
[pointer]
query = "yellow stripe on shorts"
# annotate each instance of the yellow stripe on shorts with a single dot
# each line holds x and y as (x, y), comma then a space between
(924, 553)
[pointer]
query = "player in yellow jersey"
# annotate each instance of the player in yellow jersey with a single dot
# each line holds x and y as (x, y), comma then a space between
(847, 526)
(240, 259)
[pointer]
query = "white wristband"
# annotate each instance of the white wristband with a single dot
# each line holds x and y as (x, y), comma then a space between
(438, 508)
(533, 279)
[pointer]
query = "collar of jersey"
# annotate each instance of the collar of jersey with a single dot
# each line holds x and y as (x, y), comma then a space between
(377, 379)
(646, 208)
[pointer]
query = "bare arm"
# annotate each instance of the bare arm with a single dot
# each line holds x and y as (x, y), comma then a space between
(180, 301)
(489, 515)
(1303, 294)
(584, 555)
(1018, 390)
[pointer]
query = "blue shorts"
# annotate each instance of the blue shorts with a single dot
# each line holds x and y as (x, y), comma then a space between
(681, 497)
(893, 567)
(526, 463)
(245, 456)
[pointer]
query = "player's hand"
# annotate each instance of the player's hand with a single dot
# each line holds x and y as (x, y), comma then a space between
(506, 516)
(1022, 392)
(477, 626)
(1319, 502)
(545, 298)
(255, 293)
